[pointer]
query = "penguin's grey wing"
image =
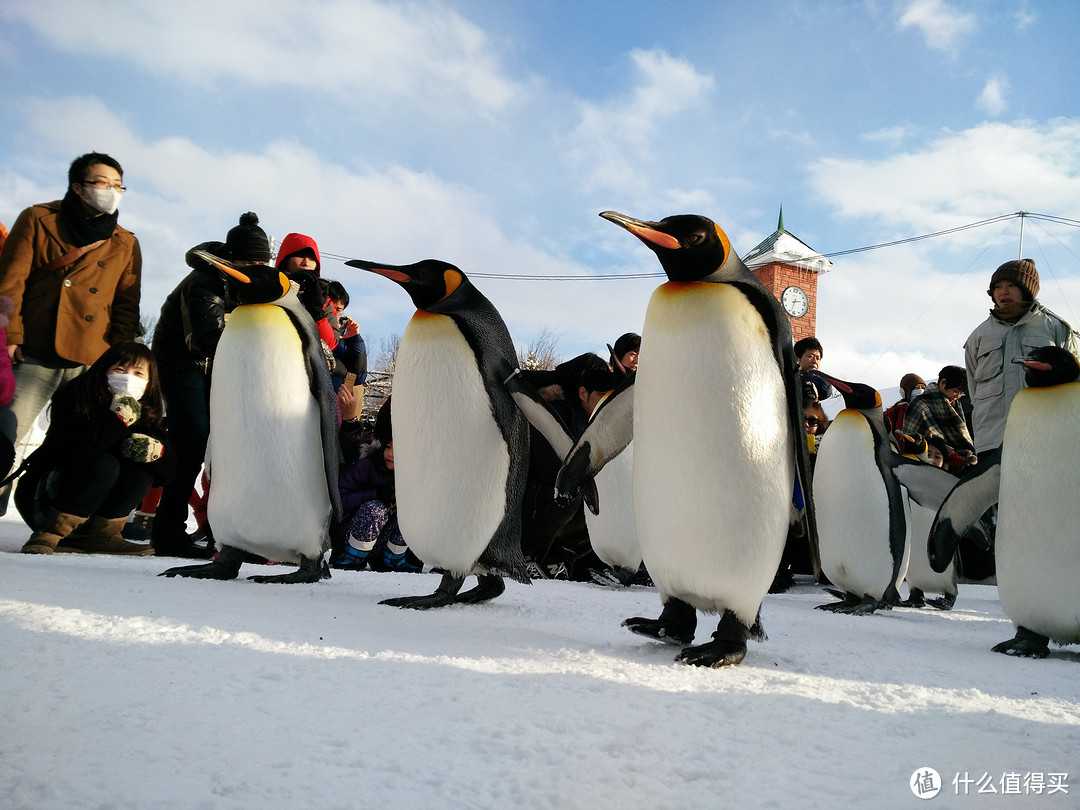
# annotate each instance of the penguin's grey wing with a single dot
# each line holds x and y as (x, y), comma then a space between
(322, 389)
(898, 536)
(540, 414)
(776, 321)
(969, 499)
(926, 484)
(608, 434)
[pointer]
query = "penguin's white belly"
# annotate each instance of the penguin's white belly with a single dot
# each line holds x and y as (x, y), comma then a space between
(713, 453)
(613, 532)
(853, 510)
(268, 490)
(1038, 534)
(450, 459)
(919, 573)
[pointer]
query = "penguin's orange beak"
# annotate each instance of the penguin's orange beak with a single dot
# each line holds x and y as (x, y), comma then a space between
(645, 231)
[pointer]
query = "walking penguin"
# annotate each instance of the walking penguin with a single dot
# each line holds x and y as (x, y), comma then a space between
(461, 446)
(715, 415)
(1038, 556)
(273, 452)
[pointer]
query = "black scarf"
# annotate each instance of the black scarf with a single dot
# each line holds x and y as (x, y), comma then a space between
(85, 230)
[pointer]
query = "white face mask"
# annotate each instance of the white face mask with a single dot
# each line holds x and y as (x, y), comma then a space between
(127, 385)
(105, 200)
(917, 392)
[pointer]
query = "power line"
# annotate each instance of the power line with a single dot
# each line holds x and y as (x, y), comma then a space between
(622, 276)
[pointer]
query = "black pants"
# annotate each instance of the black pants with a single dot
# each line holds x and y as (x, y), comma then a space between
(187, 392)
(106, 485)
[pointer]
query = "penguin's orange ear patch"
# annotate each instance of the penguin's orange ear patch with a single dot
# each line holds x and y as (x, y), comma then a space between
(283, 280)
(451, 280)
(723, 240)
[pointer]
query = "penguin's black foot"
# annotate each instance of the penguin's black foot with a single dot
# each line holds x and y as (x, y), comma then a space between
(727, 648)
(916, 599)
(852, 605)
(310, 571)
(446, 594)
(946, 602)
(675, 625)
(612, 577)
(783, 581)
(226, 565)
(488, 587)
(1025, 644)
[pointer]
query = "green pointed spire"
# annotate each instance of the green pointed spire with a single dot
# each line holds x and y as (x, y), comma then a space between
(780, 224)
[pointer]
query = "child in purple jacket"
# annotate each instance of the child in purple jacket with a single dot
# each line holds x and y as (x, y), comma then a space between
(368, 534)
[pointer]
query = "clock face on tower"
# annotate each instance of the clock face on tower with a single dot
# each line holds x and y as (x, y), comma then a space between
(794, 302)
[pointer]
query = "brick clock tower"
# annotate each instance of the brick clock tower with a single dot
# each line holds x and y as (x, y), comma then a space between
(789, 269)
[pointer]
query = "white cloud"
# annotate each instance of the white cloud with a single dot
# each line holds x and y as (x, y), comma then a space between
(182, 193)
(614, 141)
(941, 25)
(891, 135)
(992, 98)
(961, 177)
(363, 51)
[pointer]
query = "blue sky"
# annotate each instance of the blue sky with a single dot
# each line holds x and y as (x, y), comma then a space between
(491, 134)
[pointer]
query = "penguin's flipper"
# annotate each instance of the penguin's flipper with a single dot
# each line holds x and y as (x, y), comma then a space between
(540, 414)
(727, 648)
(445, 594)
(608, 434)
(965, 504)
(926, 484)
(310, 571)
(322, 389)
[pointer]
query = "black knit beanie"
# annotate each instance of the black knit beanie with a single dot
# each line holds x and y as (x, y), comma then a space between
(1020, 272)
(247, 242)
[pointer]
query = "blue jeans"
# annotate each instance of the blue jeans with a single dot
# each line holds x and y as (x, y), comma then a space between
(35, 384)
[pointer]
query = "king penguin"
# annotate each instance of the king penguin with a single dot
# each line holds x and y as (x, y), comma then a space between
(1038, 556)
(612, 530)
(862, 509)
(715, 414)
(273, 452)
(461, 449)
(921, 578)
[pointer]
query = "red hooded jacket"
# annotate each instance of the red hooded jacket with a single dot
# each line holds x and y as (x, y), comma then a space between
(294, 243)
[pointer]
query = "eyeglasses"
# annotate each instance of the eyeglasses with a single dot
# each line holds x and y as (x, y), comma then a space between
(103, 184)
(813, 421)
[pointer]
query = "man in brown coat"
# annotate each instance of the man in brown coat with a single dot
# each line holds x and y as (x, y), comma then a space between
(74, 276)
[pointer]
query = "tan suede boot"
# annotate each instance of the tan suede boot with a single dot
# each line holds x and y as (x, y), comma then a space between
(55, 527)
(103, 537)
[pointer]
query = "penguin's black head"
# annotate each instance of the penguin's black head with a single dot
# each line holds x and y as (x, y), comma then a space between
(430, 283)
(1049, 365)
(253, 283)
(858, 396)
(690, 247)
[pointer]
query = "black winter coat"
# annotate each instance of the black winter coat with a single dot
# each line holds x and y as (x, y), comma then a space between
(193, 315)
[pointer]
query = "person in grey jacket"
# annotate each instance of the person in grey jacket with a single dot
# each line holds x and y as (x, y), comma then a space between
(1017, 324)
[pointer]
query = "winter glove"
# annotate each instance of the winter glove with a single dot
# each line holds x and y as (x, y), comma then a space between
(141, 448)
(127, 408)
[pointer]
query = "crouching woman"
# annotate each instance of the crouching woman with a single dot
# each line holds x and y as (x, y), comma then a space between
(104, 450)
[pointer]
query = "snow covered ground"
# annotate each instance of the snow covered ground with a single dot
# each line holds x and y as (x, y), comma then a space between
(122, 689)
